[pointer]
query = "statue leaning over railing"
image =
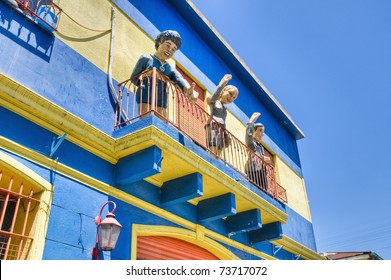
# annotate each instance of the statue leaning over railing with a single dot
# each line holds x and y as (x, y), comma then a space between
(224, 94)
(257, 168)
(166, 44)
(154, 90)
(193, 121)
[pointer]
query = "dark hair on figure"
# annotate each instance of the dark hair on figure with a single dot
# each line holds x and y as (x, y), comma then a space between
(258, 125)
(168, 35)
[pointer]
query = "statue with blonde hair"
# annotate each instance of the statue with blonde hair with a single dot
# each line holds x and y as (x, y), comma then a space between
(224, 94)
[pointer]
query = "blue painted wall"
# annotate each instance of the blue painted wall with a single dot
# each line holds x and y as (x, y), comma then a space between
(214, 65)
(44, 64)
(75, 204)
(305, 235)
(38, 139)
(71, 230)
(72, 227)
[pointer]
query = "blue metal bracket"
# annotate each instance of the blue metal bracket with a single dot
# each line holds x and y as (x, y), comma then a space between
(276, 249)
(56, 142)
(159, 161)
(296, 257)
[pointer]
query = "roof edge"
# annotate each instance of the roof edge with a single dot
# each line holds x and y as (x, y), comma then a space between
(297, 132)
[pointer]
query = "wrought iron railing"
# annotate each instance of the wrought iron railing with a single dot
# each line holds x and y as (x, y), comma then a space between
(44, 12)
(151, 91)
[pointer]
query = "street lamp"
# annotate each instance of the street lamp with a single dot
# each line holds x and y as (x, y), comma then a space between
(107, 233)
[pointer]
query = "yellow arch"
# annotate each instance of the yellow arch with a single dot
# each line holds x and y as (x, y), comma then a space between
(40, 185)
(197, 238)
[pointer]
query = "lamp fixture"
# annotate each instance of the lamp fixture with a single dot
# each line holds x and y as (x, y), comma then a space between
(107, 233)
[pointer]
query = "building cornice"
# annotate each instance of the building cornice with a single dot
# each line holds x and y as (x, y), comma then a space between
(30, 105)
(215, 36)
(301, 251)
(100, 186)
(48, 115)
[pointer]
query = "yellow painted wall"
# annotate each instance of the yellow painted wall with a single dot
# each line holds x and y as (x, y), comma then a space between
(295, 188)
(94, 45)
(129, 43)
(129, 40)
(287, 178)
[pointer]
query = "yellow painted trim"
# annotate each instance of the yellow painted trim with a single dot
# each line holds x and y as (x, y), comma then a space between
(127, 144)
(295, 187)
(24, 172)
(183, 234)
(112, 191)
(41, 111)
(30, 105)
(49, 115)
(42, 217)
(296, 248)
(166, 142)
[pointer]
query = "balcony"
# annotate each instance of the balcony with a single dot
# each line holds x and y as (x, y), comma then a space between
(194, 122)
(44, 12)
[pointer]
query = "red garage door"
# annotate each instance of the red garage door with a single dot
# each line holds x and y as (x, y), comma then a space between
(167, 248)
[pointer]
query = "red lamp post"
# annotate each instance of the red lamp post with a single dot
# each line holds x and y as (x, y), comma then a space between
(107, 233)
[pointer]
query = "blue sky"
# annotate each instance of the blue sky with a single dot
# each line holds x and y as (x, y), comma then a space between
(328, 63)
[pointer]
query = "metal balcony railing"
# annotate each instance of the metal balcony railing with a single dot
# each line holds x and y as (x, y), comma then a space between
(44, 12)
(151, 91)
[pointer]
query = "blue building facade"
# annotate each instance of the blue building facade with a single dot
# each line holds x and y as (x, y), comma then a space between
(66, 147)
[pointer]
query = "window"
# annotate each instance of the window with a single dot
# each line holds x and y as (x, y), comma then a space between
(268, 154)
(198, 89)
(19, 203)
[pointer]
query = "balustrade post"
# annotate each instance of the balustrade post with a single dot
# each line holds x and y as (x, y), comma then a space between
(153, 92)
(185, 118)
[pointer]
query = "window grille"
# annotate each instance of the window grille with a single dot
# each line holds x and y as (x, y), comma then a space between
(17, 216)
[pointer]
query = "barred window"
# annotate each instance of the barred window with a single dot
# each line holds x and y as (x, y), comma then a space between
(19, 203)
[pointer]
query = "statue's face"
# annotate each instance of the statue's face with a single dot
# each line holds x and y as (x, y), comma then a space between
(166, 50)
(258, 133)
(228, 95)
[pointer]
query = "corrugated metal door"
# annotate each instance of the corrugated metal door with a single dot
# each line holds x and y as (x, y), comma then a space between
(168, 248)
